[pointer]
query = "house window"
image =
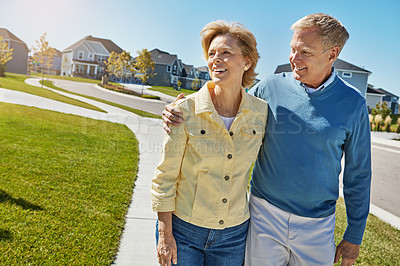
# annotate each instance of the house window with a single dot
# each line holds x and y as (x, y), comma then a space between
(191, 72)
(91, 56)
(347, 74)
(80, 55)
(174, 68)
(168, 68)
(207, 76)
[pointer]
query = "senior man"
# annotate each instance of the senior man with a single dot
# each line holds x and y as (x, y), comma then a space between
(314, 119)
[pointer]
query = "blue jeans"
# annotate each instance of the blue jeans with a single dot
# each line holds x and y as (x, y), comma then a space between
(203, 246)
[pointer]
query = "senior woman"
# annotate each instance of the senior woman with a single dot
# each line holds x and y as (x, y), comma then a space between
(200, 186)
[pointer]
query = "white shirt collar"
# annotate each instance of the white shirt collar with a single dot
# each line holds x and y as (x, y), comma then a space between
(324, 85)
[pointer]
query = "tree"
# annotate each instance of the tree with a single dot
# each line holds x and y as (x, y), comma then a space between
(42, 54)
(381, 109)
(5, 56)
(145, 66)
(127, 64)
(120, 65)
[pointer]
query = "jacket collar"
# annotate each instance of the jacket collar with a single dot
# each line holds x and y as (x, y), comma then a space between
(203, 102)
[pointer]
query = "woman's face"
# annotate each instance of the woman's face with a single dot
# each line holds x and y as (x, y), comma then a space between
(226, 62)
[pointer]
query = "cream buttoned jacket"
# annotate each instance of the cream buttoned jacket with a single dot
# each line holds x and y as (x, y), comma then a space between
(204, 169)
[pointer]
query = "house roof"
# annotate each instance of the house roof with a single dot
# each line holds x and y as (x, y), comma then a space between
(386, 92)
(9, 36)
(57, 53)
(203, 69)
(92, 42)
(338, 64)
(187, 68)
(161, 57)
(371, 89)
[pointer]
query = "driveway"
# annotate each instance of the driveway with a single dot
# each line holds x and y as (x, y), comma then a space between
(148, 105)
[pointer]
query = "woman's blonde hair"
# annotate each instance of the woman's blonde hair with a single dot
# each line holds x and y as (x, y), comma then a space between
(246, 41)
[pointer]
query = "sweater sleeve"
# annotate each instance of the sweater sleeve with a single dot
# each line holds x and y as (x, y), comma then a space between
(167, 173)
(357, 176)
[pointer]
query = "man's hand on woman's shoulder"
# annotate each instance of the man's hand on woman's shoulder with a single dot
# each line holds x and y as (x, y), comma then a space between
(171, 115)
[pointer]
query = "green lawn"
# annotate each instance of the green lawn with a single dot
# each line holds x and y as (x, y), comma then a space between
(17, 82)
(170, 91)
(65, 186)
(381, 243)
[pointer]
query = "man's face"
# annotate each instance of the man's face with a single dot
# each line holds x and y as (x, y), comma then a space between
(310, 63)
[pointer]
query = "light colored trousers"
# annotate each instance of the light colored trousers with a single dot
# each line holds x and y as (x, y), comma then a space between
(277, 237)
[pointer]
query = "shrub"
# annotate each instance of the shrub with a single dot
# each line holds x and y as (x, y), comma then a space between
(387, 122)
(378, 121)
(150, 97)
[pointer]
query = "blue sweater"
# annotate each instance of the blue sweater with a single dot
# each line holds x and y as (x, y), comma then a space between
(306, 136)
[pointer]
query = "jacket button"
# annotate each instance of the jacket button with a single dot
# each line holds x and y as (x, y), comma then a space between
(224, 200)
(221, 221)
(226, 177)
(231, 133)
(229, 156)
(203, 132)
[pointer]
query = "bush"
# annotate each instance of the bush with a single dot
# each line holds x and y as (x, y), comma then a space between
(378, 122)
(395, 119)
(126, 91)
(387, 123)
(150, 97)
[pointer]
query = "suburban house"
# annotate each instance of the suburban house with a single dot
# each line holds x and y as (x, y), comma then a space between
(56, 64)
(373, 97)
(391, 100)
(55, 67)
(203, 73)
(19, 61)
(356, 76)
(169, 69)
(86, 57)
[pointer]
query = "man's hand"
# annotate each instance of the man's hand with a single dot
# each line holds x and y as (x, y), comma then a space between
(166, 250)
(172, 115)
(348, 251)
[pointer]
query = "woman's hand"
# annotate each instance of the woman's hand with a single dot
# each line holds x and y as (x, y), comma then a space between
(166, 249)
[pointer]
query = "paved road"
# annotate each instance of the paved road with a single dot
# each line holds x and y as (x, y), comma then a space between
(385, 189)
(151, 106)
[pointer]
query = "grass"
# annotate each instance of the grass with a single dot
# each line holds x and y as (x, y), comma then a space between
(77, 79)
(127, 108)
(381, 241)
(17, 82)
(65, 186)
(170, 91)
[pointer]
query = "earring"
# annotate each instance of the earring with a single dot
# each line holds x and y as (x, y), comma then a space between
(246, 68)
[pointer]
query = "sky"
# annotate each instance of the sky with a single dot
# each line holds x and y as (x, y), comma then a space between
(174, 26)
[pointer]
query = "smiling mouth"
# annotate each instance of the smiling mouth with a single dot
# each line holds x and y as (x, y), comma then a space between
(219, 70)
(299, 68)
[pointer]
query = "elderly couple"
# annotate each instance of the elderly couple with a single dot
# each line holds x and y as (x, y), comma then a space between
(296, 127)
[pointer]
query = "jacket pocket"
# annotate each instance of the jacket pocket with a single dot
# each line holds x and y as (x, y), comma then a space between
(252, 137)
(204, 141)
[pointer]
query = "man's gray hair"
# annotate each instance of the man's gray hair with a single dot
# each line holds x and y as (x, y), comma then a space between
(331, 31)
